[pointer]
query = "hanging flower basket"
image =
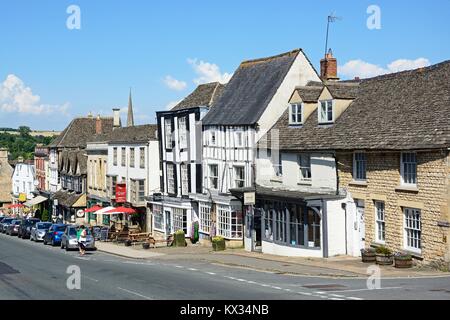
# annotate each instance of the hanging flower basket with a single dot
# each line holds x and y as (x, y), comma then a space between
(368, 255)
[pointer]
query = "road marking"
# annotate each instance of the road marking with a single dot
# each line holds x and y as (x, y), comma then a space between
(135, 293)
(366, 289)
(336, 299)
(192, 269)
(181, 267)
(92, 279)
(211, 273)
(354, 298)
(337, 295)
(278, 288)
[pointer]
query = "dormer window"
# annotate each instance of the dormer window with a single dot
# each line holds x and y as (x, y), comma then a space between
(296, 114)
(326, 111)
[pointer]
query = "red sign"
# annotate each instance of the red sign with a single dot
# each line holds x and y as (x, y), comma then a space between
(121, 193)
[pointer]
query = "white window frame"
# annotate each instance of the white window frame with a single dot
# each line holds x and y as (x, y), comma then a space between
(123, 154)
(297, 114)
(182, 132)
(132, 157)
(140, 190)
(142, 157)
(327, 102)
(236, 178)
(380, 207)
(402, 169)
(179, 220)
(170, 178)
(226, 220)
(239, 141)
(412, 229)
(205, 217)
(211, 177)
(158, 216)
(302, 166)
(212, 137)
(115, 156)
(184, 179)
(168, 133)
(355, 166)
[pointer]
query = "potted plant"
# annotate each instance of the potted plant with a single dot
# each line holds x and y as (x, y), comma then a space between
(368, 255)
(179, 239)
(384, 256)
(402, 260)
(218, 243)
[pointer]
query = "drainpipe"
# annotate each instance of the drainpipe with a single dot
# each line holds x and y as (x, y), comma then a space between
(325, 228)
(337, 173)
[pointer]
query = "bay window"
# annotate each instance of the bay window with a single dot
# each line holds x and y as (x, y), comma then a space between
(205, 217)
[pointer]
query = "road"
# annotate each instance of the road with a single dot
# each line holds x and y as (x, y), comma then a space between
(31, 271)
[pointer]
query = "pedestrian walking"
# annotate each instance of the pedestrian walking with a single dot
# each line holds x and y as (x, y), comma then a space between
(81, 238)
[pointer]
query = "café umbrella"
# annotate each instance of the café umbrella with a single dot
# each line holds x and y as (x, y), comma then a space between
(119, 210)
(93, 209)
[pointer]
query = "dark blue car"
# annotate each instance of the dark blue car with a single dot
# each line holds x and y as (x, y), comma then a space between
(54, 234)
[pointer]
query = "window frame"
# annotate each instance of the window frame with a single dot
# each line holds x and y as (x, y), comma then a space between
(182, 132)
(170, 178)
(132, 157)
(114, 156)
(239, 137)
(413, 229)
(327, 102)
(210, 177)
(168, 133)
(158, 218)
(184, 175)
(212, 137)
(236, 180)
(123, 156)
(356, 170)
(402, 169)
(297, 113)
(205, 217)
(142, 157)
(379, 221)
(301, 167)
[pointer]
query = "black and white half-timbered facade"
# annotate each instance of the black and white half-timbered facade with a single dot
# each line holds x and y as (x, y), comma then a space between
(253, 100)
(180, 136)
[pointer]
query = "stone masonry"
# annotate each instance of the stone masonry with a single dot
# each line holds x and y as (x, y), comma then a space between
(383, 184)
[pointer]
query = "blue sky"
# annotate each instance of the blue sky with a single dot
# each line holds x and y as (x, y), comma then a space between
(162, 49)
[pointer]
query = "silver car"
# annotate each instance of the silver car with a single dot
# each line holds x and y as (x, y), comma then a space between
(39, 230)
(69, 239)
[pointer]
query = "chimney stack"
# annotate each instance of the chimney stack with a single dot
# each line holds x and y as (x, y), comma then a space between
(328, 67)
(116, 115)
(3, 155)
(98, 125)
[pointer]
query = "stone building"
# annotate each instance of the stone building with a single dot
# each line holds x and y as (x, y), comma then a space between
(388, 140)
(6, 172)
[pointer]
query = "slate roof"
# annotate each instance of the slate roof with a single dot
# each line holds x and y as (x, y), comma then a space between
(80, 131)
(142, 133)
(71, 159)
(250, 90)
(400, 111)
(203, 96)
(283, 193)
(309, 93)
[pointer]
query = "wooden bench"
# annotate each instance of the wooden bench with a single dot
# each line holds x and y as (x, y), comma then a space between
(122, 236)
(152, 241)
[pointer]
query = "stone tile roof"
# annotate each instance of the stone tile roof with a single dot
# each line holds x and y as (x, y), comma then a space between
(143, 133)
(65, 198)
(400, 111)
(250, 90)
(203, 96)
(80, 131)
(309, 93)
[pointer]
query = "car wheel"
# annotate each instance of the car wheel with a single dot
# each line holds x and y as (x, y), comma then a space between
(62, 245)
(45, 242)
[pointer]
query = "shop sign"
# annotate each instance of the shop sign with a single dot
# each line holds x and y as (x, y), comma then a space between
(121, 193)
(249, 198)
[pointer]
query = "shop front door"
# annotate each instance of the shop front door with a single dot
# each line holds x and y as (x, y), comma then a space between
(361, 224)
(168, 222)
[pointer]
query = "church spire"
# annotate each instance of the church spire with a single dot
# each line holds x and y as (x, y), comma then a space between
(130, 119)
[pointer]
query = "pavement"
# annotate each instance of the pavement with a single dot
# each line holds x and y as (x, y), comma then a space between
(30, 271)
(341, 266)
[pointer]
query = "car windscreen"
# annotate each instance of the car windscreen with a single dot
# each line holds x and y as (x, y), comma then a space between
(72, 232)
(17, 222)
(60, 228)
(44, 225)
(7, 220)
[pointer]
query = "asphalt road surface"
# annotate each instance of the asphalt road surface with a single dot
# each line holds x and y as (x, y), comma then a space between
(31, 271)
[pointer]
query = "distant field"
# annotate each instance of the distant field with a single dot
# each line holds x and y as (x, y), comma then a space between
(35, 133)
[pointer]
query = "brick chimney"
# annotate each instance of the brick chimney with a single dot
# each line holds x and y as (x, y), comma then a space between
(98, 125)
(328, 67)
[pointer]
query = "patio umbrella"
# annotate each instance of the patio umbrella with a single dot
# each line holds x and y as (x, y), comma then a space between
(121, 210)
(14, 206)
(103, 210)
(93, 209)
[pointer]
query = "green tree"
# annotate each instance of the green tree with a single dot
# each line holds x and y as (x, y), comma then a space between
(24, 131)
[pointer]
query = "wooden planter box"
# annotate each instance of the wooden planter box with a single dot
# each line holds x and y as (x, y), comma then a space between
(403, 263)
(218, 245)
(384, 259)
(368, 257)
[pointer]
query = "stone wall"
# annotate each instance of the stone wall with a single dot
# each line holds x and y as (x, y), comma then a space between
(383, 184)
(6, 172)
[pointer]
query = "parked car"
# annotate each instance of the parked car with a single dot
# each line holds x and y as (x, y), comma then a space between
(69, 239)
(13, 227)
(25, 227)
(38, 231)
(4, 224)
(53, 235)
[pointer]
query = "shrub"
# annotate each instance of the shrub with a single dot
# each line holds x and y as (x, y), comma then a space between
(218, 243)
(179, 239)
(384, 250)
(368, 251)
(45, 215)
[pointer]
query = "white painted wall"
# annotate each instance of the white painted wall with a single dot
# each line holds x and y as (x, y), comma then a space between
(53, 169)
(336, 228)
(23, 180)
